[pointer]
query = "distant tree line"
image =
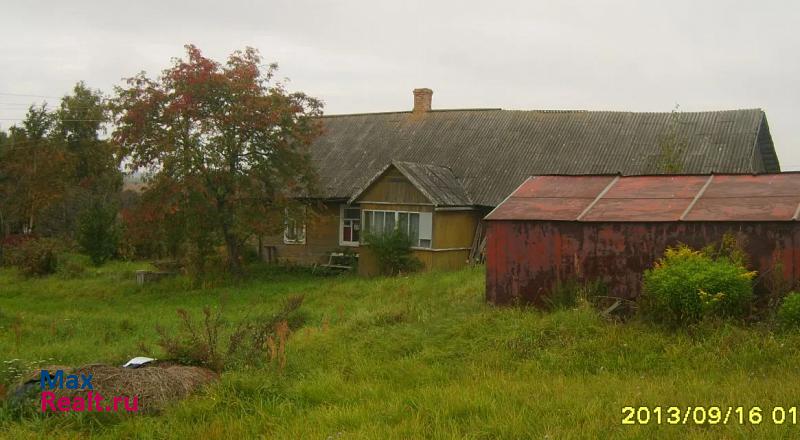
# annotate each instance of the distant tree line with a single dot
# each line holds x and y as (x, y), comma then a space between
(58, 176)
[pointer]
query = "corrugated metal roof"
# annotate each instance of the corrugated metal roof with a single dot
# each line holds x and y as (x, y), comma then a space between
(436, 182)
(765, 197)
(491, 152)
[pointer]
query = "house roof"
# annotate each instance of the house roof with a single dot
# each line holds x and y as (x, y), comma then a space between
(490, 152)
(764, 197)
(436, 182)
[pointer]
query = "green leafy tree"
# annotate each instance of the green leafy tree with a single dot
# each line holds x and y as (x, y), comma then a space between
(4, 178)
(94, 175)
(98, 233)
(80, 122)
(230, 139)
(54, 165)
(32, 170)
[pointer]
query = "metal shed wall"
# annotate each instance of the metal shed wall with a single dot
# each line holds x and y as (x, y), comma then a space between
(555, 229)
(527, 259)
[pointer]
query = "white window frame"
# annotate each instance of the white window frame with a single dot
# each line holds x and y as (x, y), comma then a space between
(341, 225)
(286, 239)
(425, 218)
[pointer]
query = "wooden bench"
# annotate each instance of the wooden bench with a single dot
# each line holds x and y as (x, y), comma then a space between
(339, 261)
(149, 276)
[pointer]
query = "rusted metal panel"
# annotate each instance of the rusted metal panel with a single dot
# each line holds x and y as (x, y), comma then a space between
(563, 187)
(765, 208)
(761, 185)
(540, 209)
(527, 259)
(657, 187)
(629, 210)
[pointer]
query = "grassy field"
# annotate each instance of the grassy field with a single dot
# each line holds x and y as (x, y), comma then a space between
(417, 357)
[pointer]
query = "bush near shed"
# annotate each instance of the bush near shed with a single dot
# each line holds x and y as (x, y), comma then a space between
(687, 285)
(789, 312)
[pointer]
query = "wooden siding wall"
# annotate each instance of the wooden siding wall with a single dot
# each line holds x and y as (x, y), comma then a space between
(454, 229)
(322, 238)
(431, 260)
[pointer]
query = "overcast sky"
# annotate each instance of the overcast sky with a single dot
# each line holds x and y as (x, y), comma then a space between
(365, 56)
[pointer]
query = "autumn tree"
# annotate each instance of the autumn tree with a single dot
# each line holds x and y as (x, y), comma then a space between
(228, 140)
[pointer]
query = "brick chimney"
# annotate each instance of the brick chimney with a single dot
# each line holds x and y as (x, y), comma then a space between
(422, 100)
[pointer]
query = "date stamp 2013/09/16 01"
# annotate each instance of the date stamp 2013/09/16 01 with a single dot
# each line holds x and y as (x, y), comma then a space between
(709, 415)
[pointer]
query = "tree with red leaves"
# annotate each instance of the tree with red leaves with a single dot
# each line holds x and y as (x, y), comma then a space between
(230, 142)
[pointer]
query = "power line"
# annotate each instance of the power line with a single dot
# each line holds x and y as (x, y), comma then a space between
(61, 120)
(24, 95)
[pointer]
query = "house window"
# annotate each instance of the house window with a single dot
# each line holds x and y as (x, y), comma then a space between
(350, 227)
(418, 225)
(294, 231)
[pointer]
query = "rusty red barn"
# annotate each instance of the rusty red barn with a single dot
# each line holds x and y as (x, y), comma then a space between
(554, 229)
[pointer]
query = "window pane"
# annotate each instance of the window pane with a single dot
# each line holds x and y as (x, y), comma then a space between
(425, 243)
(347, 233)
(295, 228)
(377, 227)
(402, 222)
(356, 227)
(290, 230)
(426, 225)
(413, 231)
(352, 213)
(389, 221)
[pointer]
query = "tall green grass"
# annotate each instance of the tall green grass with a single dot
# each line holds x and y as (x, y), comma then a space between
(412, 357)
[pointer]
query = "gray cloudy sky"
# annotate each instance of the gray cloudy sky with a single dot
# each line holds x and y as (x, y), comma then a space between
(364, 56)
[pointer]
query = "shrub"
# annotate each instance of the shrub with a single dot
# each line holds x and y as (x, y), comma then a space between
(250, 342)
(687, 285)
(195, 343)
(71, 268)
(789, 311)
(393, 252)
(34, 257)
(98, 233)
(252, 338)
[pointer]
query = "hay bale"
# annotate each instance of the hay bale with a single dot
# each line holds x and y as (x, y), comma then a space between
(155, 385)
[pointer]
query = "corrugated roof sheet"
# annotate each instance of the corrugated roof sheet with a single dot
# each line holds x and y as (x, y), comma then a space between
(436, 182)
(491, 152)
(765, 197)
